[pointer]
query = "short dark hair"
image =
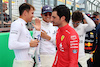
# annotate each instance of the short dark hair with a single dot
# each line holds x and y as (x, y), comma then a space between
(77, 16)
(62, 10)
(95, 14)
(25, 6)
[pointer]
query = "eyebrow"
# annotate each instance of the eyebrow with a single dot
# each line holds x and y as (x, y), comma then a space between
(53, 16)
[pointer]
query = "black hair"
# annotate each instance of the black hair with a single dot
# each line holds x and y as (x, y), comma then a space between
(77, 16)
(95, 14)
(25, 6)
(62, 10)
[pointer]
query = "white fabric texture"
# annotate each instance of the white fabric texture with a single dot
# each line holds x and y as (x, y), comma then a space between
(47, 60)
(18, 63)
(83, 61)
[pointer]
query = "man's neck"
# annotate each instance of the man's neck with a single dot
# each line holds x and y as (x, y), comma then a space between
(45, 21)
(23, 18)
(63, 24)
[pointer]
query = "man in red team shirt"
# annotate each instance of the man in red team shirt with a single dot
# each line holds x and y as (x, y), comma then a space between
(67, 40)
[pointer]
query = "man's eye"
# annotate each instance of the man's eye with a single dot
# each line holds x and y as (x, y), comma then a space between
(54, 17)
(32, 12)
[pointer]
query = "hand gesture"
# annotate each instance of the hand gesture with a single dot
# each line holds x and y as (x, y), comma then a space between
(34, 43)
(37, 25)
(83, 13)
(44, 35)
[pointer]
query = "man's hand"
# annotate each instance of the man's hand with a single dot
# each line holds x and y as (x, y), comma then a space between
(37, 25)
(44, 35)
(34, 43)
(83, 14)
(9, 22)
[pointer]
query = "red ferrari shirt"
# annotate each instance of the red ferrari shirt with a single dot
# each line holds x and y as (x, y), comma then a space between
(67, 42)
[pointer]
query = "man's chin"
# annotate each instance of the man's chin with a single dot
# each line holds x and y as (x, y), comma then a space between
(54, 24)
(48, 21)
(74, 27)
(30, 21)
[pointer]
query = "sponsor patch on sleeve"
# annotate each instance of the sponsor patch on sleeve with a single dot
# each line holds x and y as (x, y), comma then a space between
(74, 51)
(74, 42)
(73, 37)
(14, 32)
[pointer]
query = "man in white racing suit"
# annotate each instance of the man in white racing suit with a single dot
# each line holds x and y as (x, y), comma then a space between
(81, 29)
(45, 52)
(20, 39)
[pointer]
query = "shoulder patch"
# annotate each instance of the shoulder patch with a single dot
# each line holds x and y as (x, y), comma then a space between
(74, 51)
(62, 37)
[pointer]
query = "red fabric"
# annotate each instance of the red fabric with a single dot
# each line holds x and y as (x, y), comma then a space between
(88, 48)
(67, 42)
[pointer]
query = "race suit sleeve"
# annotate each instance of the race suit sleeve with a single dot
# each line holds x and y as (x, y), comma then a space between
(53, 37)
(73, 50)
(91, 25)
(15, 32)
(56, 60)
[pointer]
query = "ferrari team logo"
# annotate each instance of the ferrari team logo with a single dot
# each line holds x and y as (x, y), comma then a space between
(62, 37)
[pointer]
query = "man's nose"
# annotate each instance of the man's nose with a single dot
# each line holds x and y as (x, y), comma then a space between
(75, 25)
(32, 15)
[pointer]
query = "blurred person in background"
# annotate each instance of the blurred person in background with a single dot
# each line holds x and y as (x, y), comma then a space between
(96, 55)
(81, 29)
(6, 17)
(90, 43)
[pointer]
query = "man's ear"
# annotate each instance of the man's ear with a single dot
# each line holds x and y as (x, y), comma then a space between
(41, 14)
(63, 18)
(25, 12)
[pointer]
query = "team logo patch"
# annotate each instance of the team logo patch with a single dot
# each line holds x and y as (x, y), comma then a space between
(89, 44)
(91, 33)
(74, 51)
(61, 47)
(62, 37)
